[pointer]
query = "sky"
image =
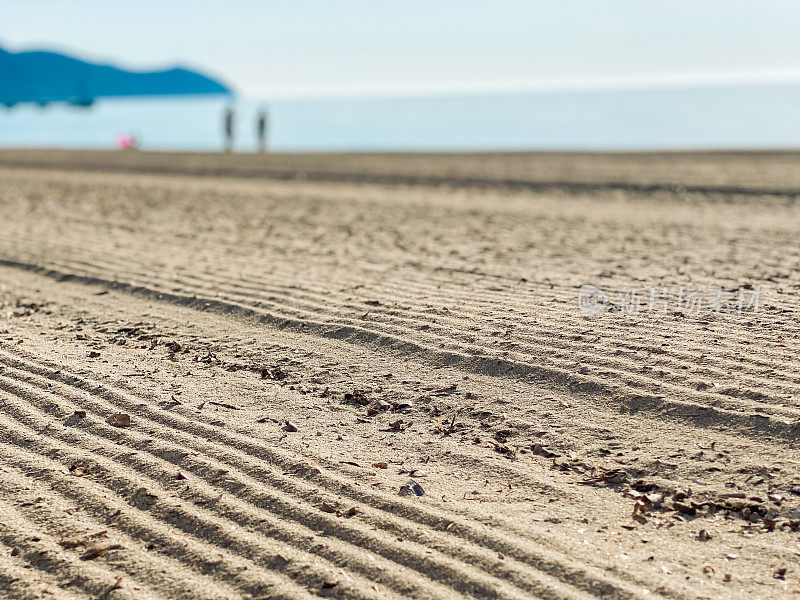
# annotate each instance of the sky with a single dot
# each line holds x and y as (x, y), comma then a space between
(318, 48)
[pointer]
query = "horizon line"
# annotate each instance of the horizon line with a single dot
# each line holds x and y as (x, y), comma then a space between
(611, 84)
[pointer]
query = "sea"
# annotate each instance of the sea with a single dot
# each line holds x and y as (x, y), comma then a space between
(719, 116)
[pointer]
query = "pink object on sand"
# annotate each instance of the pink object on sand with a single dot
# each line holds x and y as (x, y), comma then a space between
(126, 141)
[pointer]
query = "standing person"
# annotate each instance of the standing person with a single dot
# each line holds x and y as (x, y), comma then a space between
(261, 130)
(228, 124)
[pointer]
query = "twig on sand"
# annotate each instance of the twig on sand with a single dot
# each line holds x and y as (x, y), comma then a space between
(451, 427)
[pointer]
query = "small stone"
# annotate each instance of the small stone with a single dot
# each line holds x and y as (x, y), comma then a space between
(120, 420)
(328, 585)
(411, 488)
(276, 374)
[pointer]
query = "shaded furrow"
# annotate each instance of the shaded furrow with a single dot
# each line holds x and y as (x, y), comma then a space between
(642, 394)
(304, 481)
(220, 548)
(21, 580)
(534, 340)
(548, 343)
(140, 564)
(278, 519)
(44, 554)
(440, 293)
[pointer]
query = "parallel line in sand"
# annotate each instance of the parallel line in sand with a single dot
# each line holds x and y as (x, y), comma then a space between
(180, 544)
(538, 341)
(153, 569)
(756, 425)
(719, 406)
(19, 579)
(244, 574)
(292, 509)
(45, 555)
(279, 504)
(377, 178)
(520, 474)
(644, 384)
(300, 480)
(321, 304)
(272, 514)
(543, 345)
(516, 470)
(254, 569)
(431, 288)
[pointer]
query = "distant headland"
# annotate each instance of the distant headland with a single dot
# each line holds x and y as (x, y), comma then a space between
(42, 77)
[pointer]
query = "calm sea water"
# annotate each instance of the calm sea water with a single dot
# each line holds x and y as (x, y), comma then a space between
(722, 117)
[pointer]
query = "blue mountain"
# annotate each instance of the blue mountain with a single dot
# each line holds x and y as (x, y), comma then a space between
(43, 77)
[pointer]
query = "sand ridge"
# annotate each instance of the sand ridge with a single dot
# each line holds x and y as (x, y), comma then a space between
(431, 329)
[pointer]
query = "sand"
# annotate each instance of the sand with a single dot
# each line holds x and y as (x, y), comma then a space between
(230, 376)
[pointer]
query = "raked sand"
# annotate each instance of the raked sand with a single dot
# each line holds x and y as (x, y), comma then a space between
(295, 337)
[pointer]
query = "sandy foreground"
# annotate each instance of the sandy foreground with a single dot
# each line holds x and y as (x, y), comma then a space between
(370, 376)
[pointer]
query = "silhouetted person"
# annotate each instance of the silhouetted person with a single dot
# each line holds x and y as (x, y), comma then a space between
(228, 119)
(261, 130)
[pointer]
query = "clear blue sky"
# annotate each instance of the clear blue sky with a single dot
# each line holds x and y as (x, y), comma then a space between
(353, 47)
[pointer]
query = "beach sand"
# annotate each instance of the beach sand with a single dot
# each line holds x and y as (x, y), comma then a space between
(229, 376)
